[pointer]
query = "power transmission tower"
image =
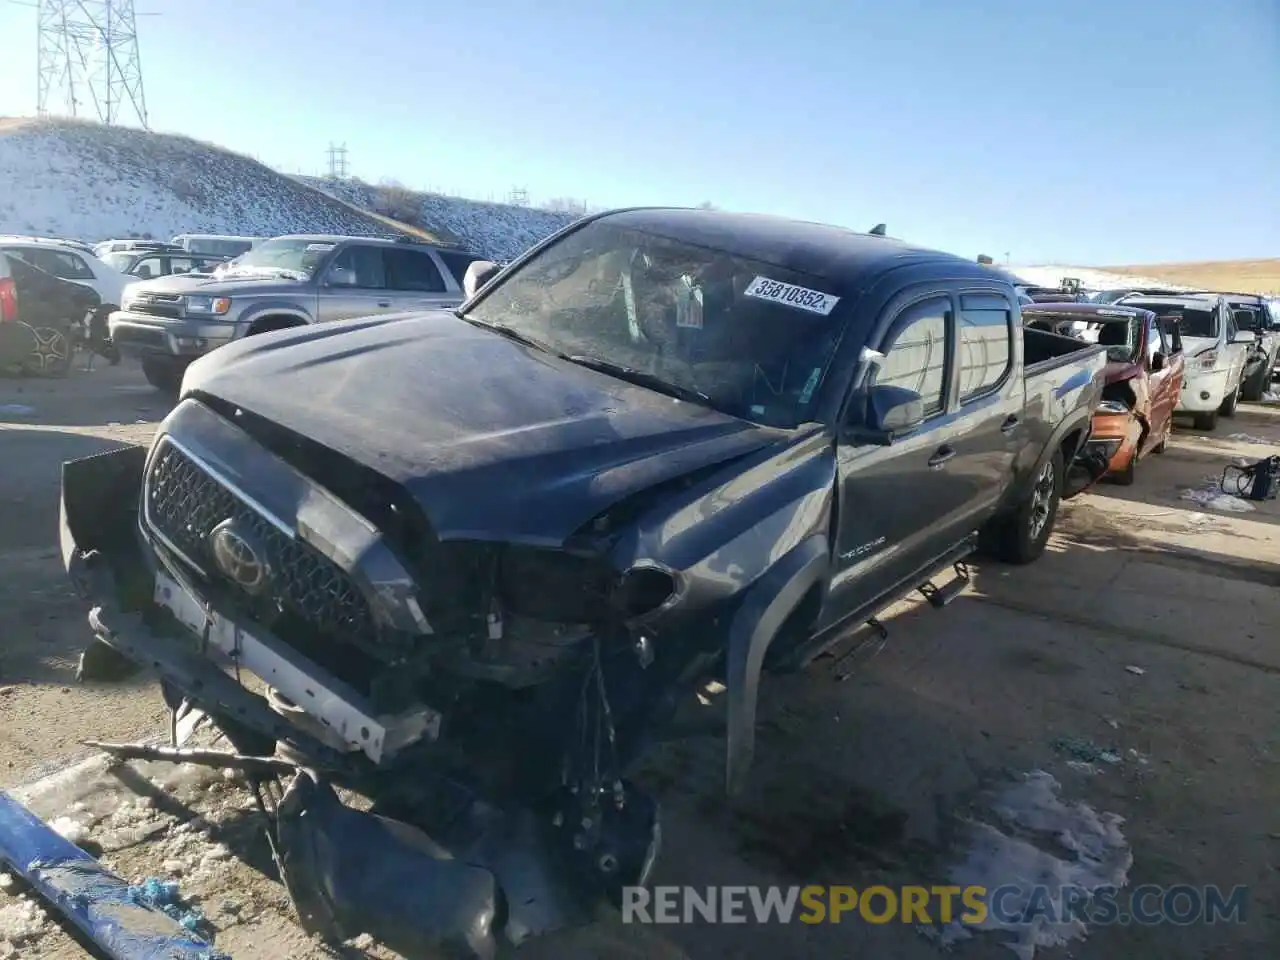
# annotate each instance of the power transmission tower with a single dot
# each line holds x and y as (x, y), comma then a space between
(337, 161)
(519, 197)
(88, 61)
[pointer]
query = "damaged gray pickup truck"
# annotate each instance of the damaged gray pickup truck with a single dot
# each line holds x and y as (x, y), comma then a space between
(477, 560)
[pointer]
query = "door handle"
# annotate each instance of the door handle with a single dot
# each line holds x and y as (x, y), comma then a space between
(1010, 423)
(384, 303)
(944, 454)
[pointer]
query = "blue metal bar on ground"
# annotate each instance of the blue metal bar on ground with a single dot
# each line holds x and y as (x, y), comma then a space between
(90, 896)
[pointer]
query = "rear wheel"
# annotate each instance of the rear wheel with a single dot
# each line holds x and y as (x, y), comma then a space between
(1253, 388)
(1020, 537)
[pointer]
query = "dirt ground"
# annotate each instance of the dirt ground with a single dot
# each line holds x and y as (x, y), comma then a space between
(1148, 630)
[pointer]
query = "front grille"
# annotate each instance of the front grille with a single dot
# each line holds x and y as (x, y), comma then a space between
(158, 305)
(185, 503)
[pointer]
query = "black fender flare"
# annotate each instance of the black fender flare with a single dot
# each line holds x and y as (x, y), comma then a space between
(1081, 421)
(768, 602)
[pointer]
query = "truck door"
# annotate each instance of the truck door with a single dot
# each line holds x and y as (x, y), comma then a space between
(989, 398)
(892, 498)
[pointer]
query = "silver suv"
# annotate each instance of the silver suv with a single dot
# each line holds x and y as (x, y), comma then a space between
(286, 282)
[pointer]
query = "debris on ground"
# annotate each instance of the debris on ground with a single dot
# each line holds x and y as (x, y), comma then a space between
(1211, 496)
(1025, 849)
(1136, 671)
(163, 895)
(1085, 751)
(1249, 438)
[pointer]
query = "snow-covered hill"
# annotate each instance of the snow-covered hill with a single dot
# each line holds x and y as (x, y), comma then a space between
(497, 231)
(74, 179)
(1051, 275)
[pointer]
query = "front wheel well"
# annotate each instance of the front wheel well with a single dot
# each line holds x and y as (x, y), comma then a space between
(1070, 445)
(274, 321)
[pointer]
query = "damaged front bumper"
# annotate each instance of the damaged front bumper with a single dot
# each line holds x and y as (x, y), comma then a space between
(452, 869)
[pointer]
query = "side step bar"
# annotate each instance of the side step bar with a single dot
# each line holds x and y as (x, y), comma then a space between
(939, 597)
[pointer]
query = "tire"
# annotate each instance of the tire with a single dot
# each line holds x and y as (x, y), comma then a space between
(1206, 421)
(165, 377)
(1228, 408)
(52, 354)
(1253, 388)
(1020, 537)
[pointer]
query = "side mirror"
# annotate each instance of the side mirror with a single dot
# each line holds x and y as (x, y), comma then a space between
(1243, 336)
(889, 413)
(143, 273)
(479, 272)
(1157, 362)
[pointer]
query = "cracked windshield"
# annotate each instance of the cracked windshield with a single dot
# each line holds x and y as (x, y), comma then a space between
(602, 481)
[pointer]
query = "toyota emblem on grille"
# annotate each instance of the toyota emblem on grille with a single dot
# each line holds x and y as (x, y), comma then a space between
(239, 556)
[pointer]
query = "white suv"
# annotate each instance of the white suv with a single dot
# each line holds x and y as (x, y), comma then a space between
(71, 263)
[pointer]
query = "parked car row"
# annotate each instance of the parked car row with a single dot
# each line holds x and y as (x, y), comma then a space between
(291, 281)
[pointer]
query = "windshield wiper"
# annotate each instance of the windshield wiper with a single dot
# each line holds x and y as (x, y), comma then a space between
(640, 378)
(511, 333)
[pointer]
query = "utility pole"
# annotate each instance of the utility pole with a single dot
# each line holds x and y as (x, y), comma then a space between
(337, 161)
(87, 60)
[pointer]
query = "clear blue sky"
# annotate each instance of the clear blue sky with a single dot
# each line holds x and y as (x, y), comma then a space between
(1089, 132)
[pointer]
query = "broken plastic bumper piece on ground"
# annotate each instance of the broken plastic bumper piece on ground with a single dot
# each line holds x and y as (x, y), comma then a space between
(105, 908)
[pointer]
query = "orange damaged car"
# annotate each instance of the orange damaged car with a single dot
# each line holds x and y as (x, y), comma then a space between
(1144, 375)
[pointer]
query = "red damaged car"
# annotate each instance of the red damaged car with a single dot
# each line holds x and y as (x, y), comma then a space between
(1144, 375)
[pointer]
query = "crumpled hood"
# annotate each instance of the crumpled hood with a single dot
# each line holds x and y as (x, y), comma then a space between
(495, 440)
(221, 286)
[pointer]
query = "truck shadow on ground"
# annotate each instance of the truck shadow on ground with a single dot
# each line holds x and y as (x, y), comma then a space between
(1090, 527)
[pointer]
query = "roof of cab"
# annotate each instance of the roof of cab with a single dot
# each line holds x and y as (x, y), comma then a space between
(818, 249)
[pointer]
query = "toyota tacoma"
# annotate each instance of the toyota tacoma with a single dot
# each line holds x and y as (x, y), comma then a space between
(479, 558)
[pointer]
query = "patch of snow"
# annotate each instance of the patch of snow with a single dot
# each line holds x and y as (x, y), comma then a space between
(1051, 275)
(22, 921)
(69, 829)
(1039, 842)
(495, 231)
(70, 178)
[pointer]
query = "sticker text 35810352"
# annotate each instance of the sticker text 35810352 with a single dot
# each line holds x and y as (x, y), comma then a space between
(790, 295)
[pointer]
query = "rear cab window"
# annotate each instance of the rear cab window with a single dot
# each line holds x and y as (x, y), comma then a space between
(985, 335)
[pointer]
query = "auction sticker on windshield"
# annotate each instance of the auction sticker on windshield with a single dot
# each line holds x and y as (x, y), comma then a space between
(790, 295)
